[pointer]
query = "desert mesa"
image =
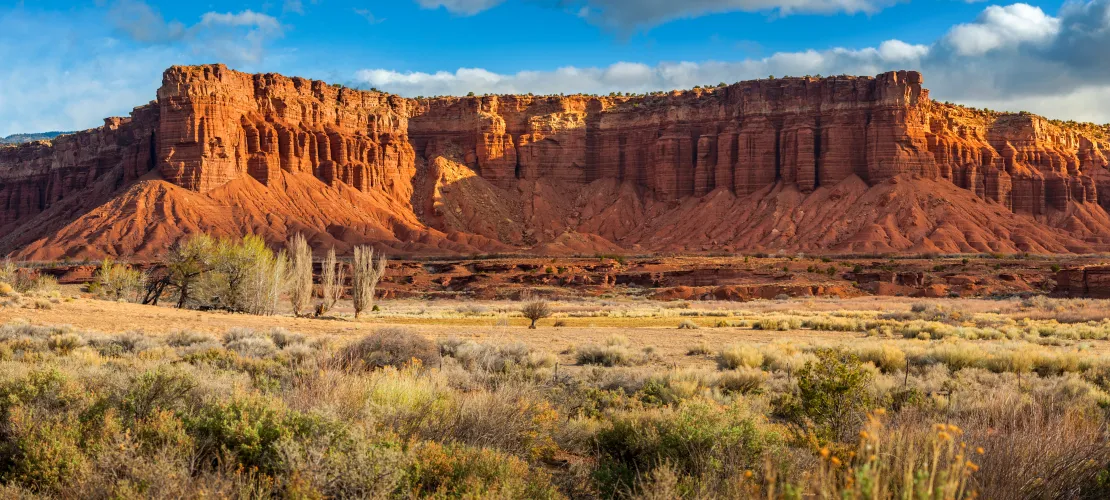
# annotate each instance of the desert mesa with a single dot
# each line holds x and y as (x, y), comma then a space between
(826, 165)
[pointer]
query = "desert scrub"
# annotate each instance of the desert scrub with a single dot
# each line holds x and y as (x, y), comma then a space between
(737, 356)
(700, 349)
(702, 440)
(388, 347)
(615, 352)
(743, 380)
(504, 358)
(456, 471)
(832, 397)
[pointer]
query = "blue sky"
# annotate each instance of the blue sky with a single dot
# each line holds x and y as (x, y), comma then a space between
(71, 63)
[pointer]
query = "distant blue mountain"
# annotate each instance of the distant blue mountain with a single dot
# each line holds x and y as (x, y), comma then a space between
(22, 138)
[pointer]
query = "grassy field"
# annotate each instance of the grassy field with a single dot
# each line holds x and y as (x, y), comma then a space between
(854, 398)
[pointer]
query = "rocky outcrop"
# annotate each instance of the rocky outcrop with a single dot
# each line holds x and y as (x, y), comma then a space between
(35, 175)
(218, 124)
(807, 164)
(1087, 281)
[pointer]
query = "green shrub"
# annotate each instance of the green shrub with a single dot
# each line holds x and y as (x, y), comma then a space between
(248, 430)
(456, 471)
(160, 389)
(832, 397)
(703, 441)
(43, 450)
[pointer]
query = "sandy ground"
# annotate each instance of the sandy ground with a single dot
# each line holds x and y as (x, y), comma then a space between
(658, 333)
(651, 325)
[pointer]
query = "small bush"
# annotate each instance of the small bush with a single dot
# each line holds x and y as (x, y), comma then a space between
(535, 310)
(702, 441)
(743, 380)
(65, 343)
(832, 396)
(186, 338)
(737, 356)
(253, 347)
(283, 338)
(688, 325)
(455, 471)
(388, 347)
(131, 342)
(701, 349)
(607, 355)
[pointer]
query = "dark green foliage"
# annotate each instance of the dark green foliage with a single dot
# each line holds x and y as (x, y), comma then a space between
(701, 440)
(832, 397)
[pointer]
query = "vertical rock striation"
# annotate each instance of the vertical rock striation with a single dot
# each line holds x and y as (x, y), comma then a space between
(212, 126)
(35, 175)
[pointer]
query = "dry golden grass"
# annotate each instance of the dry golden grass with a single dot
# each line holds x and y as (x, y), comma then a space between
(620, 399)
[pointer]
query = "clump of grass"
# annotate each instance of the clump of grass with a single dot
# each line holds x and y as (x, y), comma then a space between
(886, 357)
(688, 325)
(737, 356)
(743, 380)
(283, 338)
(497, 359)
(186, 338)
(700, 349)
(614, 352)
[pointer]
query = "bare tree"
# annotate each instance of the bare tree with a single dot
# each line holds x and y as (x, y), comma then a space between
(268, 282)
(365, 275)
(300, 274)
(535, 309)
(331, 283)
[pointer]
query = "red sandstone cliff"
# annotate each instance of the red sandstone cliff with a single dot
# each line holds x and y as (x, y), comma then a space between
(838, 164)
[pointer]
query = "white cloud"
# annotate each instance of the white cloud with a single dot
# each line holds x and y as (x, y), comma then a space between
(897, 50)
(1015, 57)
(68, 71)
(229, 37)
(64, 77)
(1003, 27)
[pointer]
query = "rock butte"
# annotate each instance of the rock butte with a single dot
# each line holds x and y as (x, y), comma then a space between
(826, 165)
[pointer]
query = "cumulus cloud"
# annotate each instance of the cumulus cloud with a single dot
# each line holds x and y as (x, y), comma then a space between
(70, 72)
(1013, 57)
(231, 37)
(63, 77)
(1003, 27)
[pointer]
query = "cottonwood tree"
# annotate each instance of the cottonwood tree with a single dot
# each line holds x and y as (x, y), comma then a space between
(186, 263)
(365, 274)
(246, 276)
(300, 273)
(268, 283)
(331, 283)
(119, 281)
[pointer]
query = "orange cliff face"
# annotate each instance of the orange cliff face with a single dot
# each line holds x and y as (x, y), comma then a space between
(837, 164)
(219, 125)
